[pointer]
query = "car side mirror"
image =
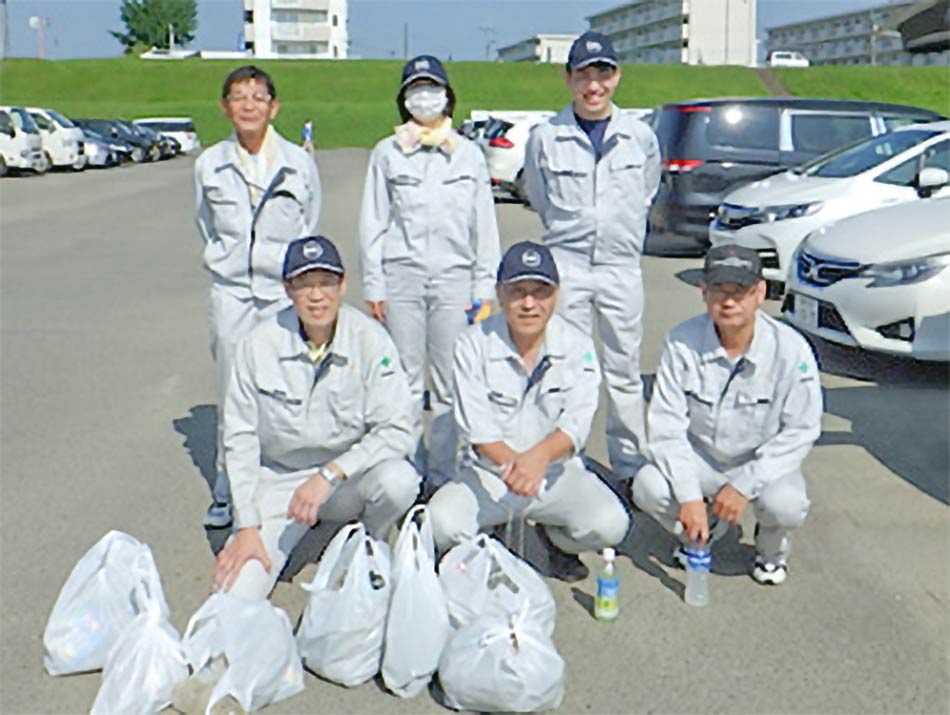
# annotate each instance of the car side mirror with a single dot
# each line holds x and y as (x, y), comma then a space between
(930, 180)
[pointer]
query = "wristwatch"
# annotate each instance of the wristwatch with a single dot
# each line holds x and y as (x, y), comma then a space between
(328, 474)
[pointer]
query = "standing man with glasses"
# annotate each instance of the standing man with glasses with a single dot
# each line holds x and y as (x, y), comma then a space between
(255, 192)
(591, 173)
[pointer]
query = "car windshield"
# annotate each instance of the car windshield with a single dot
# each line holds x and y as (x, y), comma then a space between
(22, 120)
(60, 119)
(858, 158)
(5, 124)
(42, 122)
(160, 125)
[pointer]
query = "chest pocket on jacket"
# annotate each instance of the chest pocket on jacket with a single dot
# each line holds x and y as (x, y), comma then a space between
(460, 190)
(226, 216)
(626, 168)
(280, 412)
(552, 394)
(567, 187)
(702, 415)
(285, 206)
(752, 415)
(405, 190)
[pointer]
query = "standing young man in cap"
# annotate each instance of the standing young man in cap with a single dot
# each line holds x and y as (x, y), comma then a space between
(428, 246)
(591, 173)
(317, 424)
(255, 192)
(526, 386)
(735, 410)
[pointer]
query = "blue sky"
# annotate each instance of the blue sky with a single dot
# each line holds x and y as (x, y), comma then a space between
(447, 28)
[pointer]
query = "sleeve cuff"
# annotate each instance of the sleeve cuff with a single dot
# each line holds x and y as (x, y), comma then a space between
(573, 436)
(374, 292)
(484, 290)
(246, 517)
(746, 484)
(685, 492)
(350, 462)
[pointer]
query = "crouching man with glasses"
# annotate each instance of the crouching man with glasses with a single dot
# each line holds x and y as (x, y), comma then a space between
(736, 408)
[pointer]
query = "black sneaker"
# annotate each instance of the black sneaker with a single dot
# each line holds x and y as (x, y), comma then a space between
(559, 564)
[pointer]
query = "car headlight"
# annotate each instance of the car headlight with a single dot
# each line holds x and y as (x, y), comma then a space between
(780, 213)
(905, 272)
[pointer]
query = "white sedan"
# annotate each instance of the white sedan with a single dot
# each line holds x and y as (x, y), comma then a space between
(878, 281)
(773, 215)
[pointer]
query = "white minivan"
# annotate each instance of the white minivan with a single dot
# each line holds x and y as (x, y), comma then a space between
(181, 129)
(787, 58)
(62, 140)
(23, 147)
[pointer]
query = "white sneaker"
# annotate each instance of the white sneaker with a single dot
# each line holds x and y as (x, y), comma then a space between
(768, 574)
(218, 516)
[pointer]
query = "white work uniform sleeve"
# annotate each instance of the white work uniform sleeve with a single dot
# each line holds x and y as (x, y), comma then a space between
(389, 433)
(668, 426)
(202, 210)
(582, 396)
(312, 210)
(651, 166)
(800, 427)
(473, 412)
(487, 245)
(534, 184)
(373, 225)
(242, 447)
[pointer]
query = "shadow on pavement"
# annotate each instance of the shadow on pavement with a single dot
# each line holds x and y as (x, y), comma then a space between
(902, 421)
(691, 276)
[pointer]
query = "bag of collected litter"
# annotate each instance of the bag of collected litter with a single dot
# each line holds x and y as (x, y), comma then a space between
(144, 665)
(481, 578)
(341, 632)
(242, 649)
(97, 602)
(417, 628)
(492, 666)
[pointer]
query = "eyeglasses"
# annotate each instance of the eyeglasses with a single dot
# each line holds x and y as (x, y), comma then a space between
(520, 291)
(313, 279)
(739, 292)
(256, 98)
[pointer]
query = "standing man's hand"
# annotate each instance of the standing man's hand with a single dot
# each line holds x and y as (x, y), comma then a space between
(525, 474)
(378, 309)
(695, 522)
(307, 500)
(246, 544)
(729, 504)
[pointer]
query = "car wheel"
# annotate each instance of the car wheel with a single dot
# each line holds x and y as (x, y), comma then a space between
(3, 166)
(138, 155)
(45, 164)
(154, 154)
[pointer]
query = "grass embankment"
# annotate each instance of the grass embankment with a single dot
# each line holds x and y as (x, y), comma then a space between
(352, 103)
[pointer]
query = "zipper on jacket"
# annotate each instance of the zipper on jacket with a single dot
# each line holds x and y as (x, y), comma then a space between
(278, 177)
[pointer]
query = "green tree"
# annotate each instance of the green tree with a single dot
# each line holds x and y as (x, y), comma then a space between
(147, 23)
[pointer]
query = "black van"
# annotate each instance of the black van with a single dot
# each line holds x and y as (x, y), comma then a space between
(711, 146)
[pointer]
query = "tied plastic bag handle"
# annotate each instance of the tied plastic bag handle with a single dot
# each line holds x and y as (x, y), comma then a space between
(331, 556)
(510, 632)
(417, 531)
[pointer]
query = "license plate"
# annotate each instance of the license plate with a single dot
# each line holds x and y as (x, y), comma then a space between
(806, 310)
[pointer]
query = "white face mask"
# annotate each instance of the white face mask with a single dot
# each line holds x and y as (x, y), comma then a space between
(426, 103)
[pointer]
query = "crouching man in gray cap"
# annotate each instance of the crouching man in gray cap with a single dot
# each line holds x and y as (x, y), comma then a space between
(316, 424)
(526, 384)
(736, 408)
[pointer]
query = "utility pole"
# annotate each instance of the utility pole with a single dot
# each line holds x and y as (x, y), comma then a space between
(171, 37)
(489, 40)
(405, 41)
(40, 24)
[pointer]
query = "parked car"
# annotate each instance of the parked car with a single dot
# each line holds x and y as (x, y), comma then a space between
(109, 129)
(472, 128)
(786, 58)
(710, 147)
(773, 215)
(182, 129)
(504, 143)
(99, 151)
(23, 146)
(122, 151)
(158, 147)
(62, 140)
(879, 280)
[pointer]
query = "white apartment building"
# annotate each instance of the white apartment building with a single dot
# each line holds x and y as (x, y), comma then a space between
(540, 48)
(296, 29)
(853, 38)
(696, 32)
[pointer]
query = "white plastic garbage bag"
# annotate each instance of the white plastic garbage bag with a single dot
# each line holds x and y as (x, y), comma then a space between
(252, 642)
(144, 665)
(341, 632)
(97, 602)
(491, 666)
(481, 578)
(417, 628)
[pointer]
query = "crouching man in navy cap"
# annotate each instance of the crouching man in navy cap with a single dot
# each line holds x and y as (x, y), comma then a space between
(735, 410)
(316, 424)
(526, 384)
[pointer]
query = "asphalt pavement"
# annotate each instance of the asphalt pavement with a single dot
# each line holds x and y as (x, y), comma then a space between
(107, 422)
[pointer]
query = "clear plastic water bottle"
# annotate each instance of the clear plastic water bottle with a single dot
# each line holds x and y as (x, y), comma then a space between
(607, 603)
(698, 565)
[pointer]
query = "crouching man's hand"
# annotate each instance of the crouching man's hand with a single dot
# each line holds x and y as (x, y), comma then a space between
(729, 504)
(244, 545)
(695, 522)
(307, 500)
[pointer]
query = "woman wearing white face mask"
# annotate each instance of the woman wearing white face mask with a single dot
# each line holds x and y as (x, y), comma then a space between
(428, 246)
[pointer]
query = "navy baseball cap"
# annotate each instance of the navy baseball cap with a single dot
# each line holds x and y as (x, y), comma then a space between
(311, 254)
(732, 264)
(424, 67)
(591, 48)
(527, 261)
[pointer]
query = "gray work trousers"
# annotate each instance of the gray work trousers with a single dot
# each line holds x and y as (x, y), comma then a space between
(580, 512)
(424, 316)
(614, 293)
(781, 507)
(378, 497)
(232, 314)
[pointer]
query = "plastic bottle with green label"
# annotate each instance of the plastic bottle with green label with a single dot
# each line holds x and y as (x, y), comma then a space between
(607, 603)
